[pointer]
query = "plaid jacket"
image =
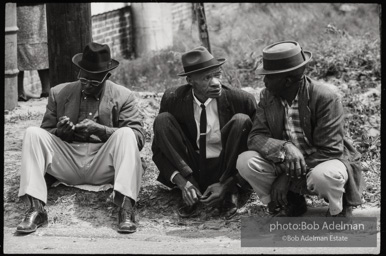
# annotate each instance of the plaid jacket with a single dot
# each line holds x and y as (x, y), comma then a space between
(322, 119)
(118, 108)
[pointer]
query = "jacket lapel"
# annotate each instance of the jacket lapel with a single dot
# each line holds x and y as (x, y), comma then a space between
(304, 110)
(223, 106)
(72, 103)
(274, 111)
(187, 111)
(106, 115)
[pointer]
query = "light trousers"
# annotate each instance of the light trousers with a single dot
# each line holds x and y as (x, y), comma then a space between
(116, 161)
(326, 180)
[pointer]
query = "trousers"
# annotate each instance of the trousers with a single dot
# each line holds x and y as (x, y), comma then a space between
(326, 180)
(116, 161)
(172, 151)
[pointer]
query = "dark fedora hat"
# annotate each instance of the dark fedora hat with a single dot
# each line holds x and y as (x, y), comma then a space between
(283, 57)
(96, 58)
(198, 59)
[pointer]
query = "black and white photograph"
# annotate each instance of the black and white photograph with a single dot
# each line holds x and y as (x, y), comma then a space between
(192, 128)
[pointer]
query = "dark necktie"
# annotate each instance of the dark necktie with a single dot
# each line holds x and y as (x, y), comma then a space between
(202, 138)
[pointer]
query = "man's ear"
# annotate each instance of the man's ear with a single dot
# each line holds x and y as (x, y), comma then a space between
(188, 79)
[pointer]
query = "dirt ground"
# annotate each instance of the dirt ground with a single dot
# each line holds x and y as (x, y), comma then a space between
(72, 207)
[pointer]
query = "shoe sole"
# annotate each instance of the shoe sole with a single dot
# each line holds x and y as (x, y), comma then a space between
(44, 224)
(126, 231)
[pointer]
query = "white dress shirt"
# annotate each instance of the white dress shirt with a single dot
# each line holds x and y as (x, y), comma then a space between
(213, 131)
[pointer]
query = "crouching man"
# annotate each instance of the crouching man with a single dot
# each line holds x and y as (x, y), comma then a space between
(200, 130)
(297, 140)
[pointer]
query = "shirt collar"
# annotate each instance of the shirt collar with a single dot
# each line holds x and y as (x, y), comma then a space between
(206, 103)
(97, 96)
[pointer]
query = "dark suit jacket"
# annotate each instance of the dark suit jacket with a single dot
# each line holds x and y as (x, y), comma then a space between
(118, 108)
(178, 101)
(322, 119)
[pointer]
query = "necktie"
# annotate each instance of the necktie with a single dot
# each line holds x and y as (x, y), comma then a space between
(202, 138)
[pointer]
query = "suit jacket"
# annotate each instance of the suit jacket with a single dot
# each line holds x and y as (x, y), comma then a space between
(178, 101)
(118, 108)
(322, 119)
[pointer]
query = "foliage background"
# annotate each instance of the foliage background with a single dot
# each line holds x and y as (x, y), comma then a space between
(345, 42)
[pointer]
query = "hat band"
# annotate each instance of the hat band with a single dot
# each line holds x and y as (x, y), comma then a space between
(201, 65)
(286, 63)
(94, 66)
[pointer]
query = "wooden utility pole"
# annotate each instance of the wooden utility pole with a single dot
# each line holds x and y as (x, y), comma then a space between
(68, 31)
(202, 25)
(10, 57)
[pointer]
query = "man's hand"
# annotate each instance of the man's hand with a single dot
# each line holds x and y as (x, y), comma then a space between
(279, 189)
(214, 194)
(295, 165)
(64, 127)
(189, 189)
(88, 127)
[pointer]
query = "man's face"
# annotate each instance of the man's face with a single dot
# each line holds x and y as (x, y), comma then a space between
(275, 83)
(207, 84)
(92, 83)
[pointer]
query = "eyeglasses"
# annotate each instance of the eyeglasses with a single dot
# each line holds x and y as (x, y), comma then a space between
(94, 83)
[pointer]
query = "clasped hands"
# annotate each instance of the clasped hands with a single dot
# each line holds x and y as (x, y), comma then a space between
(213, 195)
(87, 127)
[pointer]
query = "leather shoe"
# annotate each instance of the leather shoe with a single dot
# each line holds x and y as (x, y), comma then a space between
(230, 205)
(126, 217)
(296, 206)
(33, 219)
(126, 221)
(187, 211)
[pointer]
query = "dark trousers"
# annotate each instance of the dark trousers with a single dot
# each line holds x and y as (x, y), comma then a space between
(172, 151)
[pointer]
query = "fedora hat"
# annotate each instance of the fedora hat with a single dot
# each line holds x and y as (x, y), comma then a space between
(96, 58)
(198, 59)
(283, 57)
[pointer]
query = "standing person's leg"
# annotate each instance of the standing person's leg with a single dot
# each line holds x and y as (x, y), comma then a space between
(20, 87)
(44, 76)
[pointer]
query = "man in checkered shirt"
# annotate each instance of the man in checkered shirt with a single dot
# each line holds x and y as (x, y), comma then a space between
(297, 145)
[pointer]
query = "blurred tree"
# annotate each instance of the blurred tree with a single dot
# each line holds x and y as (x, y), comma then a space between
(68, 31)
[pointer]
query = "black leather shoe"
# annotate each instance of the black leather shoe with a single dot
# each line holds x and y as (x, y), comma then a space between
(229, 209)
(126, 221)
(187, 211)
(296, 206)
(33, 219)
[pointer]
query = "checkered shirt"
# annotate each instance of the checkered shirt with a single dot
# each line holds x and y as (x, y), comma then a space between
(293, 131)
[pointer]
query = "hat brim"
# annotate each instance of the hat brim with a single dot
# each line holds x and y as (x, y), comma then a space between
(78, 57)
(221, 61)
(261, 71)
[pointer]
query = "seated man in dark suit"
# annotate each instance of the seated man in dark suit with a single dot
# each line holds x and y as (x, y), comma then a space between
(201, 129)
